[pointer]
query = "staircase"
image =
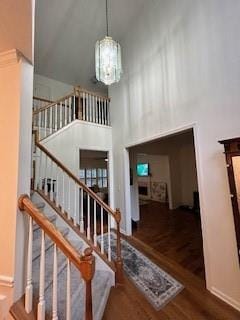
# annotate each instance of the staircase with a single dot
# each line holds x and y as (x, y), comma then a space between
(69, 266)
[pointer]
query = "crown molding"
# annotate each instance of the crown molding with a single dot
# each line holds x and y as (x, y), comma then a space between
(9, 57)
(6, 281)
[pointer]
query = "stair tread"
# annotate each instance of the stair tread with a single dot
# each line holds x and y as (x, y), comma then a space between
(100, 288)
(62, 261)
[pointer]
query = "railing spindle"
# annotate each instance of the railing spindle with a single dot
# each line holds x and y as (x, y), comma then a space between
(102, 243)
(109, 238)
(68, 298)
(95, 223)
(29, 287)
(55, 285)
(41, 304)
(88, 218)
(81, 212)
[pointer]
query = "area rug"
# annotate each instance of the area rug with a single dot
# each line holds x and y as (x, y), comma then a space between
(158, 286)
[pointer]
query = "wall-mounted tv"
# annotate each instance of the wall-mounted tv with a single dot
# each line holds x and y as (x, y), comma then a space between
(143, 169)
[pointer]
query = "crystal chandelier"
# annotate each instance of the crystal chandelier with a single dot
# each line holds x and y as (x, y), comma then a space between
(108, 58)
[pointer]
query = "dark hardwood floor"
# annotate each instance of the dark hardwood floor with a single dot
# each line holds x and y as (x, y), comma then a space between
(126, 302)
(172, 240)
(176, 234)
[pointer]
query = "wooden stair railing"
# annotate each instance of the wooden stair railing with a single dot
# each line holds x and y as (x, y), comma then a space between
(80, 104)
(84, 263)
(81, 208)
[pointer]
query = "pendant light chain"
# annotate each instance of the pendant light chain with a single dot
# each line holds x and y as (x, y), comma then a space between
(107, 23)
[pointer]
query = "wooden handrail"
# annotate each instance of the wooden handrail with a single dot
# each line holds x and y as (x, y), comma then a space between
(84, 263)
(42, 99)
(72, 176)
(98, 95)
(49, 105)
(80, 261)
(76, 90)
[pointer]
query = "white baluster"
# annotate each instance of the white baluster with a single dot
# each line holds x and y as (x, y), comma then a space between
(105, 112)
(69, 198)
(74, 107)
(109, 237)
(102, 113)
(41, 304)
(45, 123)
(45, 175)
(56, 117)
(55, 284)
(65, 111)
(102, 243)
(39, 123)
(70, 109)
(94, 108)
(88, 218)
(61, 116)
(51, 180)
(95, 223)
(63, 193)
(81, 212)
(68, 298)
(36, 179)
(51, 120)
(83, 106)
(40, 171)
(75, 204)
(97, 110)
(57, 186)
(29, 287)
(108, 113)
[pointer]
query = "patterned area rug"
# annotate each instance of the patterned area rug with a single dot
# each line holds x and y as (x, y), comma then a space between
(157, 285)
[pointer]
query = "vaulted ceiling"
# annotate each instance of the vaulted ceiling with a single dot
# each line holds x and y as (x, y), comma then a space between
(66, 32)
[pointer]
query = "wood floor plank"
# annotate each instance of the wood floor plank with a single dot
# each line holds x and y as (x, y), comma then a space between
(181, 259)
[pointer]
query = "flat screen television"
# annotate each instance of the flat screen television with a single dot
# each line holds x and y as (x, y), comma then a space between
(143, 169)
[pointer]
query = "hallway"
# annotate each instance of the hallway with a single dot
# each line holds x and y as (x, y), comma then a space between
(175, 234)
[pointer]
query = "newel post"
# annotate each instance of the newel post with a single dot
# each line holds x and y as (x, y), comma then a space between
(87, 271)
(118, 261)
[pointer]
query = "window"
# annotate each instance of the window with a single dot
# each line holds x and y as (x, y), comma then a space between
(95, 176)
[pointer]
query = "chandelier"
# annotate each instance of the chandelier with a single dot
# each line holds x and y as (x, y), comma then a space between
(108, 58)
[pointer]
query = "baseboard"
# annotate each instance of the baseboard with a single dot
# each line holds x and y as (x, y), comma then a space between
(225, 298)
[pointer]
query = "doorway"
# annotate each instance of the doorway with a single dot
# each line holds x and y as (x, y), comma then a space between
(165, 208)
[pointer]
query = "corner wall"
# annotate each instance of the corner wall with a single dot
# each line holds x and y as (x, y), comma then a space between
(16, 78)
(181, 70)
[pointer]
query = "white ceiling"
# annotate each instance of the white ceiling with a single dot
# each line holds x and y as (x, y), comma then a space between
(66, 32)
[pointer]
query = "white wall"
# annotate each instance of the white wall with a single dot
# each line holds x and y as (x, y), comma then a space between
(65, 145)
(49, 88)
(181, 67)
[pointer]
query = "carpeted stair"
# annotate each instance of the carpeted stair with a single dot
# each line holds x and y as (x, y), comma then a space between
(101, 283)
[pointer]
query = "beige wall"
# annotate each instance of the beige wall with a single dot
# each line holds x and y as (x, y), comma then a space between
(16, 77)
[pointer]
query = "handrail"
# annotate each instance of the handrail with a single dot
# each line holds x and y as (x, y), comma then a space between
(70, 174)
(49, 105)
(84, 263)
(42, 99)
(76, 89)
(98, 95)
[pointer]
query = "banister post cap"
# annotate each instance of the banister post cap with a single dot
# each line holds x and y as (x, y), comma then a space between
(20, 201)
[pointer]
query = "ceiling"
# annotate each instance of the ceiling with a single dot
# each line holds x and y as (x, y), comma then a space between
(66, 32)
